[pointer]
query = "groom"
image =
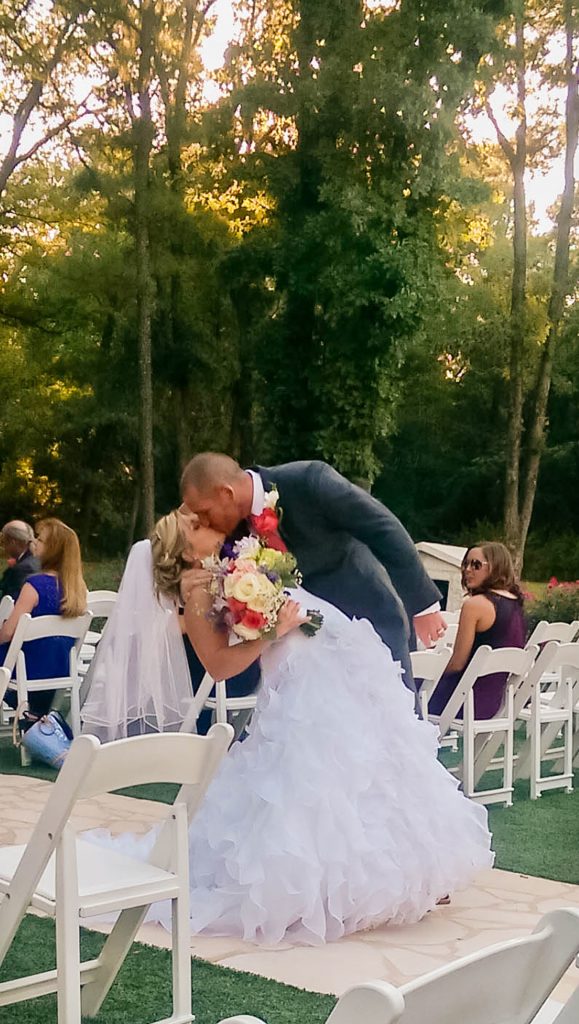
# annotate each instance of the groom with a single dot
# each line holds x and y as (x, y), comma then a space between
(350, 549)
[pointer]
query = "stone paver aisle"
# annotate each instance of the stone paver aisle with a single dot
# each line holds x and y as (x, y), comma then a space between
(501, 905)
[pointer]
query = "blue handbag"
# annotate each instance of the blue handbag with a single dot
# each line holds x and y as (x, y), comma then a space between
(48, 739)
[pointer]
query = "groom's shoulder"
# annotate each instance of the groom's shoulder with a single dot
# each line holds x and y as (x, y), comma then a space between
(293, 471)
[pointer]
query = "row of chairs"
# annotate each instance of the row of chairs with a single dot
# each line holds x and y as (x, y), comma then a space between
(549, 716)
(99, 608)
(69, 878)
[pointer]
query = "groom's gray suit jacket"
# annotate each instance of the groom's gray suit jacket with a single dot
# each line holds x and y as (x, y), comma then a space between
(352, 551)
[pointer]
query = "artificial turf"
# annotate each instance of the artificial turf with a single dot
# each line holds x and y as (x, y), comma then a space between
(142, 991)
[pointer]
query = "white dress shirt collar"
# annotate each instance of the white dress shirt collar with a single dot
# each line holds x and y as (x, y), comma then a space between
(258, 502)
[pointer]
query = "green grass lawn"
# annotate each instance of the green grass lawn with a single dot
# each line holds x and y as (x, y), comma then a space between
(142, 991)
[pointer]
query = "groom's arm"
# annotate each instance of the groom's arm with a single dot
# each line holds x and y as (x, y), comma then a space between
(349, 508)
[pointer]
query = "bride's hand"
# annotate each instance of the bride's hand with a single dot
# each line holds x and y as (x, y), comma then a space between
(291, 616)
(191, 579)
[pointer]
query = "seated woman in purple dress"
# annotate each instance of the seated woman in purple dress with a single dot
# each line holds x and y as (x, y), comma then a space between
(492, 614)
(59, 589)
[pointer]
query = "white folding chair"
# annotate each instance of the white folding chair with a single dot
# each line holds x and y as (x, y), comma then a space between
(548, 720)
(6, 713)
(429, 665)
(40, 628)
(224, 708)
(476, 732)
(72, 879)
(504, 984)
(564, 632)
(451, 618)
(6, 608)
(101, 604)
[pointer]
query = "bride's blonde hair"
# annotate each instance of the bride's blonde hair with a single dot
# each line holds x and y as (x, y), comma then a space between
(168, 546)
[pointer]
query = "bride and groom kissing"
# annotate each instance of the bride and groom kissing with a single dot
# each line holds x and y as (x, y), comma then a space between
(333, 814)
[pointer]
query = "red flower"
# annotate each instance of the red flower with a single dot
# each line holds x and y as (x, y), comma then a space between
(265, 523)
(553, 582)
(254, 620)
(237, 608)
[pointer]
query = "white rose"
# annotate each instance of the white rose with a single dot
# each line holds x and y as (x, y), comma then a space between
(265, 596)
(271, 498)
(245, 587)
(245, 632)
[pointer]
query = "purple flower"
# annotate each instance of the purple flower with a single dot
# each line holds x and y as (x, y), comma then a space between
(227, 550)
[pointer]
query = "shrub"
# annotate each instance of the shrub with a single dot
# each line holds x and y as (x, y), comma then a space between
(559, 604)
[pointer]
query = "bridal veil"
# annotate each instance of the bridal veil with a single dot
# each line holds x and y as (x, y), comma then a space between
(138, 681)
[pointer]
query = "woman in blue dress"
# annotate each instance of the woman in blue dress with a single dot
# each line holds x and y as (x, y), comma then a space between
(59, 589)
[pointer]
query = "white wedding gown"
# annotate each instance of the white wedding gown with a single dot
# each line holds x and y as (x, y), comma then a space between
(334, 815)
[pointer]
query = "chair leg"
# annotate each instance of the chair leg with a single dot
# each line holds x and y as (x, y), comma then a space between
(180, 923)
(181, 946)
(111, 959)
(535, 748)
(67, 933)
(468, 759)
(508, 763)
(75, 710)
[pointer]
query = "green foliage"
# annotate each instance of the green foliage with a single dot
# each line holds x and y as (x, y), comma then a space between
(560, 603)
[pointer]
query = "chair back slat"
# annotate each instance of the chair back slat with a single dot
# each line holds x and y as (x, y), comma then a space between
(515, 661)
(564, 632)
(166, 757)
(101, 603)
(43, 626)
(516, 977)
(430, 664)
(6, 608)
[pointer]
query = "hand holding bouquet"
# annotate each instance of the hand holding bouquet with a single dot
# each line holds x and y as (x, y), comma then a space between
(248, 585)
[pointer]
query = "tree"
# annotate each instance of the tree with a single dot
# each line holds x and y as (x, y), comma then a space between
(41, 50)
(525, 58)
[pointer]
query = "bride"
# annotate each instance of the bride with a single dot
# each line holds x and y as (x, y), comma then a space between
(334, 815)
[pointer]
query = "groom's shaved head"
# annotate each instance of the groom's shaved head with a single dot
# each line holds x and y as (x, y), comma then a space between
(217, 490)
(209, 470)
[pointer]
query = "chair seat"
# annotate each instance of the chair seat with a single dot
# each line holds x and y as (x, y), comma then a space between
(102, 874)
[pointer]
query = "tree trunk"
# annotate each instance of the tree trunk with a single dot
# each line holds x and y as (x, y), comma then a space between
(143, 142)
(559, 287)
(518, 161)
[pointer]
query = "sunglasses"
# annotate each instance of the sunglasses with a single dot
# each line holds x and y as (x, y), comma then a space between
(474, 563)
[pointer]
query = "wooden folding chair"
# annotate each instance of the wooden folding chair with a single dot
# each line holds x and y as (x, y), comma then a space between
(72, 879)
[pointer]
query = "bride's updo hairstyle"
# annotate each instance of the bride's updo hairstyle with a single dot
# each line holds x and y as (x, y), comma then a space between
(168, 545)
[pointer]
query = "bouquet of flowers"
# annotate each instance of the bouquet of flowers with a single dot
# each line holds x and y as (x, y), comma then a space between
(248, 585)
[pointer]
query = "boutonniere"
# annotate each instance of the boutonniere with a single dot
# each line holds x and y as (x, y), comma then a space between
(267, 522)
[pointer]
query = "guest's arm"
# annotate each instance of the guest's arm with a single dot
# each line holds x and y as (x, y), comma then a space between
(27, 600)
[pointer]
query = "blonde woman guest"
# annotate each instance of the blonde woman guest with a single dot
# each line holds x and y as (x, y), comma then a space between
(491, 614)
(58, 589)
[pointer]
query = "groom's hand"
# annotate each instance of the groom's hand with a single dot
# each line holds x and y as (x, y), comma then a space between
(429, 628)
(191, 579)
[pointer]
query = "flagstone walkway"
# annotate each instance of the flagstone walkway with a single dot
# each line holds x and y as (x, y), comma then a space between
(501, 905)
